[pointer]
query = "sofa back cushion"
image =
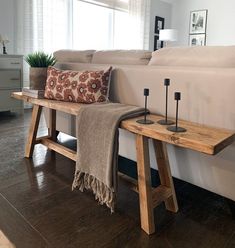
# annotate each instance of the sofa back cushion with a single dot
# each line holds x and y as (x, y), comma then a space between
(77, 86)
(199, 56)
(122, 57)
(74, 56)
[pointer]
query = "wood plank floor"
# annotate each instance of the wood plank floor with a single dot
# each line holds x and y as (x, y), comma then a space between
(38, 208)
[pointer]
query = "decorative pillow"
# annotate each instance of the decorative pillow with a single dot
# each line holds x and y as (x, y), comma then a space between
(77, 86)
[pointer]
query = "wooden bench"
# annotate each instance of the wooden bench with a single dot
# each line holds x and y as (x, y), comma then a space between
(198, 137)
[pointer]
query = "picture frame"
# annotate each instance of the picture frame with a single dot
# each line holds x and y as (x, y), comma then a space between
(159, 24)
(198, 21)
(158, 44)
(197, 40)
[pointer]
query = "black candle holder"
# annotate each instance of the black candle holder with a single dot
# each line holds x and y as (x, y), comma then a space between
(166, 121)
(145, 121)
(175, 128)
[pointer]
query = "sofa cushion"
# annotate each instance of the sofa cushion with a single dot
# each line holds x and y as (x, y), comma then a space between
(74, 56)
(77, 86)
(200, 56)
(122, 57)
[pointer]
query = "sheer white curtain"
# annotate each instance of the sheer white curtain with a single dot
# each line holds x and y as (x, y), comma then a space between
(28, 26)
(57, 25)
(42, 25)
(139, 12)
(48, 24)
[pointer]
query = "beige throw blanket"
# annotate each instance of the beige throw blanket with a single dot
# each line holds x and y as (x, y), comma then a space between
(97, 139)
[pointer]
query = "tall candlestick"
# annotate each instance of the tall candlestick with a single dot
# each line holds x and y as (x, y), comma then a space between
(166, 121)
(176, 128)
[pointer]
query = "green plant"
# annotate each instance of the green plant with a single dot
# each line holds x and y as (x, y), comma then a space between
(40, 59)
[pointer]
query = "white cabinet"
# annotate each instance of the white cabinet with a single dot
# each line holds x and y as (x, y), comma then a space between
(11, 79)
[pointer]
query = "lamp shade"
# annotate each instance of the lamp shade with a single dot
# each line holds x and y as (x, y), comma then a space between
(168, 35)
(4, 38)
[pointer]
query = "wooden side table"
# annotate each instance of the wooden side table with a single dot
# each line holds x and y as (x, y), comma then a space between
(198, 137)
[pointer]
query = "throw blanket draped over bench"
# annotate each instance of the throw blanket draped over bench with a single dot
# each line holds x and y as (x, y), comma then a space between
(97, 140)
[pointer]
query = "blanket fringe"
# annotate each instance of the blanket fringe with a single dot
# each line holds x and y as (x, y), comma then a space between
(103, 194)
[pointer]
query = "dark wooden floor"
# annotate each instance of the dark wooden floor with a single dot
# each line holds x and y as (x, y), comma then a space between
(38, 209)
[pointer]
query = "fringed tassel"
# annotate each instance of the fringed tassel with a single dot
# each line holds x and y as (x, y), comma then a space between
(102, 193)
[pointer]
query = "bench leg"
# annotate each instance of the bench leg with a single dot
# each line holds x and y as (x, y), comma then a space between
(144, 185)
(165, 174)
(33, 131)
(52, 129)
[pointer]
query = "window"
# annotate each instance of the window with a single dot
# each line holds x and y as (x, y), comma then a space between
(100, 26)
(51, 25)
(55, 24)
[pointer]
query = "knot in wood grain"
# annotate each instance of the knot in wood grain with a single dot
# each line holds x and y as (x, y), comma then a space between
(174, 139)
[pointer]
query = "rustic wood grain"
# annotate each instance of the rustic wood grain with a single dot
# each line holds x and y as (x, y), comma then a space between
(160, 194)
(59, 148)
(165, 174)
(144, 185)
(67, 107)
(29, 146)
(200, 138)
(52, 129)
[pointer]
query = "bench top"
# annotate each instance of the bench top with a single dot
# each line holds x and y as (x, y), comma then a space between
(198, 137)
(66, 107)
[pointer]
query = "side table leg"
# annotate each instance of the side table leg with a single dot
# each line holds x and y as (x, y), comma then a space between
(52, 129)
(144, 185)
(165, 173)
(33, 131)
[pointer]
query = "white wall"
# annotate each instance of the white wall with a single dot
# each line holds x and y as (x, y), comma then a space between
(220, 22)
(162, 9)
(7, 23)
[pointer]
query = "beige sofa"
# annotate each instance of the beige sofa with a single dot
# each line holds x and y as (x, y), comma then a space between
(206, 78)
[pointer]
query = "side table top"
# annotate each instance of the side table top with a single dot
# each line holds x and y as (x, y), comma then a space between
(198, 137)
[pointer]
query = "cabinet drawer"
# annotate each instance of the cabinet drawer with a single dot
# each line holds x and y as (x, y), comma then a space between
(7, 102)
(10, 63)
(10, 79)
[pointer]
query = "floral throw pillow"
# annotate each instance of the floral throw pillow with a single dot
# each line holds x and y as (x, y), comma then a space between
(77, 86)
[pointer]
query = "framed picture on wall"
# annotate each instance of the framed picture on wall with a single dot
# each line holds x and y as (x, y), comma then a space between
(198, 22)
(159, 24)
(157, 43)
(197, 39)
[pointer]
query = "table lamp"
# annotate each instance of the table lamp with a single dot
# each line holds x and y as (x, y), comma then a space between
(3, 40)
(168, 35)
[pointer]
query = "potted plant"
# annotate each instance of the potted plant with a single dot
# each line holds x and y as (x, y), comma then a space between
(38, 62)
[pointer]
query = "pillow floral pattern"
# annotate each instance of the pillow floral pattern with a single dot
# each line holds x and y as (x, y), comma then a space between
(77, 86)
